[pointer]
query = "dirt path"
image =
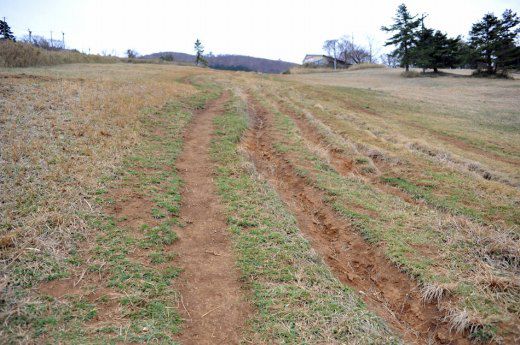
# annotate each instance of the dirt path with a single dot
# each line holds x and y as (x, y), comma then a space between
(388, 292)
(212, 301)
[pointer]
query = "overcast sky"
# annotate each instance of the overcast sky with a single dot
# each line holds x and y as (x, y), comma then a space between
(275, 29)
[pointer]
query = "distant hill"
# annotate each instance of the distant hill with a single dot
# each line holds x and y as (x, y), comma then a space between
(231, 62)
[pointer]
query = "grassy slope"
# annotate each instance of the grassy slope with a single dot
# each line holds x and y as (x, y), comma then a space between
(459, 240)
(472, 117)
(132, 300)
(427, 171)
(298, 299)
(449, 254)
(116, 273)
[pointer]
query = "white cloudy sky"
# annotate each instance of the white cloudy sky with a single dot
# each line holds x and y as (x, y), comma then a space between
(276, 29)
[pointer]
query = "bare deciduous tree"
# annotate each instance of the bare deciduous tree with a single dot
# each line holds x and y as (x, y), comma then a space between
(351, 53)
(331, 47)
(42, 42)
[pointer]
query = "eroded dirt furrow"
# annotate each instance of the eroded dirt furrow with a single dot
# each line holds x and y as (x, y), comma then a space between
(388, 292)
(211, 299)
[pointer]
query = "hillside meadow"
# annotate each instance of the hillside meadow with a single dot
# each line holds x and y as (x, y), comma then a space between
(352, 207)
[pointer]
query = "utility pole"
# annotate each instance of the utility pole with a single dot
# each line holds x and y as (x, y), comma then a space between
(63, 40)
(30, 35)
(52, 45)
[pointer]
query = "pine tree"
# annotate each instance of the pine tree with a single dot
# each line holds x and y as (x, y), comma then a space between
(508, 53)
(453, 52)
(6, 32)
(466, 56)
(199, 53)
(423, 51)
(493, 40)
(435, 50)
(405, 28)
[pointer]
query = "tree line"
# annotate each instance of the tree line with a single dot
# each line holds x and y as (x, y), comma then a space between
(492, 46)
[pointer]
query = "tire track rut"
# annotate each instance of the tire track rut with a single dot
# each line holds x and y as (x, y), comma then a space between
(211, 298)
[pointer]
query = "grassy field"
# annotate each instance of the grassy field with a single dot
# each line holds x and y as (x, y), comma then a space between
(362, 207)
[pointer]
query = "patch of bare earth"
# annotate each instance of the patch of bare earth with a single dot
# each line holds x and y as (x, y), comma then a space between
(388, 292)
(212, 299)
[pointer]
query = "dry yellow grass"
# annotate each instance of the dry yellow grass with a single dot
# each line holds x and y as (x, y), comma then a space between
(59, 138)
(476, 119)
(17, 54)
(451, 145)
(362, 66)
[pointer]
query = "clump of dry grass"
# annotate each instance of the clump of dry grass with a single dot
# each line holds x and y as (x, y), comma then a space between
(493, 254)
(18, 54)
(436, 292)
(318, 150)
(462, 164)
(459, 320)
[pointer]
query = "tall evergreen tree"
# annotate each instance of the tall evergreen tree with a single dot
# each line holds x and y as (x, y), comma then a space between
(199, 53)
(6, 32)
(423, 50)
(435, 50)
(405, 28)
(493, 40)
(466, 55)
(508, 54)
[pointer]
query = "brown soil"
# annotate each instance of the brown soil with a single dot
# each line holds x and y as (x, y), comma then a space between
(212, 301)
(388, 292)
